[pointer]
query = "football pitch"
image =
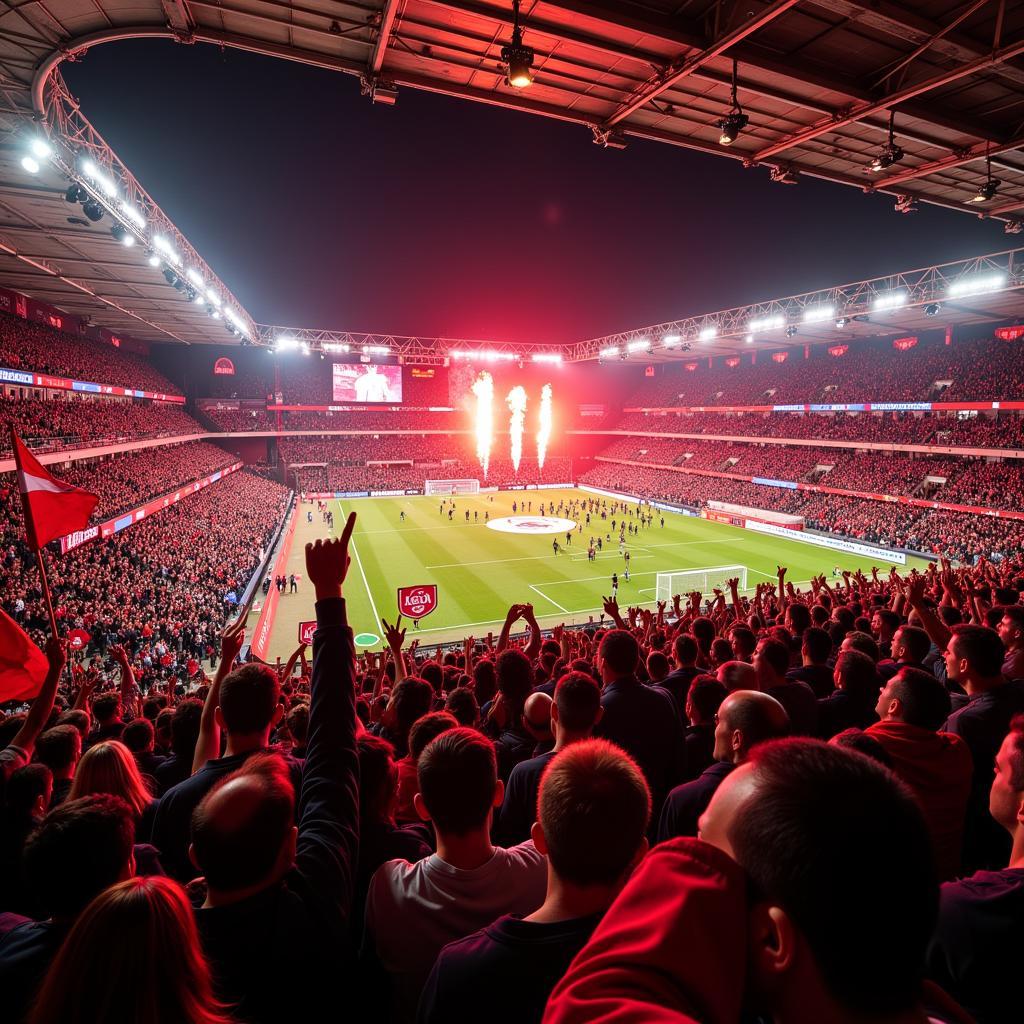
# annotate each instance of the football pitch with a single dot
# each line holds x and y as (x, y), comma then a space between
(479, 572)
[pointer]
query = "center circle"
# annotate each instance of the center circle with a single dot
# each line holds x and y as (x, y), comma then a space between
(531, 524)
(366, 639)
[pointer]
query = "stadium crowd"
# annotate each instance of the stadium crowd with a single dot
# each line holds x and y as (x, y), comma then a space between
(73, 422)
(675, 814)
(356, 419)
(31, 346)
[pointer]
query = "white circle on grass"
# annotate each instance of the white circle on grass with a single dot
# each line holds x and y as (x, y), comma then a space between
(531, 524)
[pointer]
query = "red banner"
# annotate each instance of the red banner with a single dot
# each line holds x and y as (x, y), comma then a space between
(224, 367)
(780, 357)
(732, 362)
(838, 350)
(265, 623)
(1010, 333)
(903, 344)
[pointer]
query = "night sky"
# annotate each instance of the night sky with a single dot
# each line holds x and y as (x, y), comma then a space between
(443, 217)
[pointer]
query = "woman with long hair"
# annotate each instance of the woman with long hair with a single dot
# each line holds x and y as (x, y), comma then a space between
(132, 957)
(110, 768)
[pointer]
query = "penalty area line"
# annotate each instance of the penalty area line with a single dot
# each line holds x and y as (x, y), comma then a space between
(537, 590)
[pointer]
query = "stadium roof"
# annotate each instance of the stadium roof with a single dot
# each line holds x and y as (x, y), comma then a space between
(818, 81)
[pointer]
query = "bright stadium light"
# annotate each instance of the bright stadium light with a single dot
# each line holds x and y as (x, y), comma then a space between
(609, 353)
(134, 215)
(286, 343)
(546, 357)
(890, 300)
(640, 345)
(671, 340)
(818, 314)
(376, 350)
(154, 260)
(517, 57)
(213, 299)
(195, 277)
(749, 339)
(30, 163)
(165, 247)
(767, 323)
(708, 334)
(40, 148)
(200, 299)
(105, 184)
(334, 346)
(976, 284)
(237, 322)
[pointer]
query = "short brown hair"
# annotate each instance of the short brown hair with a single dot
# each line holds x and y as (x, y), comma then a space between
(248, 699)
(594, 807)
(457, 774)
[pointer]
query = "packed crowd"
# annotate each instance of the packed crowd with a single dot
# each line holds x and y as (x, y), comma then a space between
(162, 588)
(673, 815)
(361, 419)
(978, 370)
(358, 449)
(122, 482)
(1006, 431)
(962, 536)
(29, 346)
(74, 422)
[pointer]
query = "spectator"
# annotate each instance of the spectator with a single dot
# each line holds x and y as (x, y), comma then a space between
(62, 880)
(28, 795)
(677, 682)
(935, 765)
(109, 767)
(575, 712)
(744, 719)
(413, 910)
(815, 652)
(852, 704)
(703, 700)
(139, 737)
(279, 897)
(639, 718)
(135, 955)
(593, 813)
(1011, 632)
(515, 683)
(973, 951)
(59, 749)
(771, 663)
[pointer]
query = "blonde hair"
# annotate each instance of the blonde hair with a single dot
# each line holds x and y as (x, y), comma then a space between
(132, 957)
(110, 768)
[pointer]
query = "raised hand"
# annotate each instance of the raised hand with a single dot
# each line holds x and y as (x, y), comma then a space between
(393, 633)
(327, 562)
(611, 607)
(57, 655)
(230, 644)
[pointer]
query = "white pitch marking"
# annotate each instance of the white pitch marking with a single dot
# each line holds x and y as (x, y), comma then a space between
(536, 590)
(359, 562)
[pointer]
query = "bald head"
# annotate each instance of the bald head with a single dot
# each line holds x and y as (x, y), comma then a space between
(737, 675)
(243, 830)
(746, 718)
(537, 715)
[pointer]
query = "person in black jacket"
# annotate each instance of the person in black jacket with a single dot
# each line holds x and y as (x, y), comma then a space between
(279, 897)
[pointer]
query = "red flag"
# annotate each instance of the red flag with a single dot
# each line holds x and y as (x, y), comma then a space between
(23, 666)
(52, 508)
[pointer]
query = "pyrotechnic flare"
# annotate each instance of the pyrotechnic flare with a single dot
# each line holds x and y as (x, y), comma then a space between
(483, 388)
(544, 434)
(517, 404)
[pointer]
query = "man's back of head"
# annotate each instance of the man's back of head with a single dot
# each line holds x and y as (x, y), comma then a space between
(458, 776)
(243, 829)
(82, 847)
(249, 700)
(59, 749)
(806, 821)
(771, 662)
(577, 703)
(593, 810)
(619, 655)
(746, 718)
(515, 678)
(737, 675)
(107, 708)
(685, 650)
(816, 646)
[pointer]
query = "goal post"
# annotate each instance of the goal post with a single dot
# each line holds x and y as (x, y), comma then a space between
(449, 487)
(683, 581)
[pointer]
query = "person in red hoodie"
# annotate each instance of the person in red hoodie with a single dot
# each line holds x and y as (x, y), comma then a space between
(935, 765)
(784, 909)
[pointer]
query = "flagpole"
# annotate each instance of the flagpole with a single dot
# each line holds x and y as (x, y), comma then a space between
(46, 590)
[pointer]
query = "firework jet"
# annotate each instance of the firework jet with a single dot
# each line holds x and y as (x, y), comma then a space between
(544, 434)
(483, 388)
(517, 406)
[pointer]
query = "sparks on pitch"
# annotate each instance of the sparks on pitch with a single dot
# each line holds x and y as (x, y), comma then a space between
(517, 407)
(483, 388)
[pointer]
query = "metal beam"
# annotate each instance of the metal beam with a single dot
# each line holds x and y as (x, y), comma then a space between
(380, 44)
(977, 152)
(893, 99)
(686, 66)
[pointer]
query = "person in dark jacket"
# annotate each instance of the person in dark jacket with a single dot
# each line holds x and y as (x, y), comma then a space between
(279, 898)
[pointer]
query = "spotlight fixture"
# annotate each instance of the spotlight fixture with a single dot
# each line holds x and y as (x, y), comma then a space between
(76, 194)
(154, 260)
(30, 164)
(840, 323)
(170, 276)
(121, 234)
(735, 121)
(986, 192)
(791, 331)
(932, 309)
(517, 57)
(891, 153)
(92, 210)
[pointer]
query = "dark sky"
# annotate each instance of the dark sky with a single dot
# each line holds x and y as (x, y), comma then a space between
(443, 217)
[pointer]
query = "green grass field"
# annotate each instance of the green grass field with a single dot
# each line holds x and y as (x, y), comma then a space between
(479, 572)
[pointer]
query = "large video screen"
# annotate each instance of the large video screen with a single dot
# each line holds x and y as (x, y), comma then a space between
(366, 382)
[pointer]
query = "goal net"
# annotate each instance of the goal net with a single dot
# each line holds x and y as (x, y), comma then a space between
(683, 581)
(451, 487)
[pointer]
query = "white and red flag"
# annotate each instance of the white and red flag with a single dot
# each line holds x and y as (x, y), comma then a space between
(52, 508)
